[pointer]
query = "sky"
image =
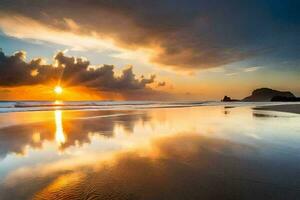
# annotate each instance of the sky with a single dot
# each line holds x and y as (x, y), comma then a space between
(149, 50)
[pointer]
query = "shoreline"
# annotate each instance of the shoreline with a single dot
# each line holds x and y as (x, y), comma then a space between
(290, 108)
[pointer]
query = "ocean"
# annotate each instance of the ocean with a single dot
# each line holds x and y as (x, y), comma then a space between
(25, 106)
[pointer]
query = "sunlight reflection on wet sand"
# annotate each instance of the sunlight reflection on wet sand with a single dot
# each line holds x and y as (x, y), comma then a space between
(59, 133)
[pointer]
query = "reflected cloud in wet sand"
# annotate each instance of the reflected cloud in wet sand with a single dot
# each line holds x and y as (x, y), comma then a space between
(185, 166)
(66, 129)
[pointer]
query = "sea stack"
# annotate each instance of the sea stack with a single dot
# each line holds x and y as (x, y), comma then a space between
(266, 94)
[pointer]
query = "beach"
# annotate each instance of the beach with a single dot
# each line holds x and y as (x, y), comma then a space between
(291, 108)
(213, 151)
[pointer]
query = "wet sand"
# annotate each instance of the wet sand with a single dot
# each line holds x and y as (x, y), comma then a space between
(291, 108)
(205, 152)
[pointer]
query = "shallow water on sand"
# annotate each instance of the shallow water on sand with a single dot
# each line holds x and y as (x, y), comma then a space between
(207, 152)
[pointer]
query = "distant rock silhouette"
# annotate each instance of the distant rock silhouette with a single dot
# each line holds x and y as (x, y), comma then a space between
(228, 99)
(267, 94)
(282, 98)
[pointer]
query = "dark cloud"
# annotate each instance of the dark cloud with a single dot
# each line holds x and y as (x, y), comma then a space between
(188, 35)
(15, 71)
(161, 84)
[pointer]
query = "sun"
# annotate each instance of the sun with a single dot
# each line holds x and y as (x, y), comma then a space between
(58, 89)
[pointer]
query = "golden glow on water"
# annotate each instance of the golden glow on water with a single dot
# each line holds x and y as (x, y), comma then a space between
(57, 102)
(59, 134)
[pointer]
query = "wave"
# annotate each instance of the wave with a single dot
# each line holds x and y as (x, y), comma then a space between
(19, 106)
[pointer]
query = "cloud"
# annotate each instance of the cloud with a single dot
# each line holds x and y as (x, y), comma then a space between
(17, 26)
(252, 69)
(71, 71)
(189, 35)
(244, 70)
(161, 84)
(232, 74)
